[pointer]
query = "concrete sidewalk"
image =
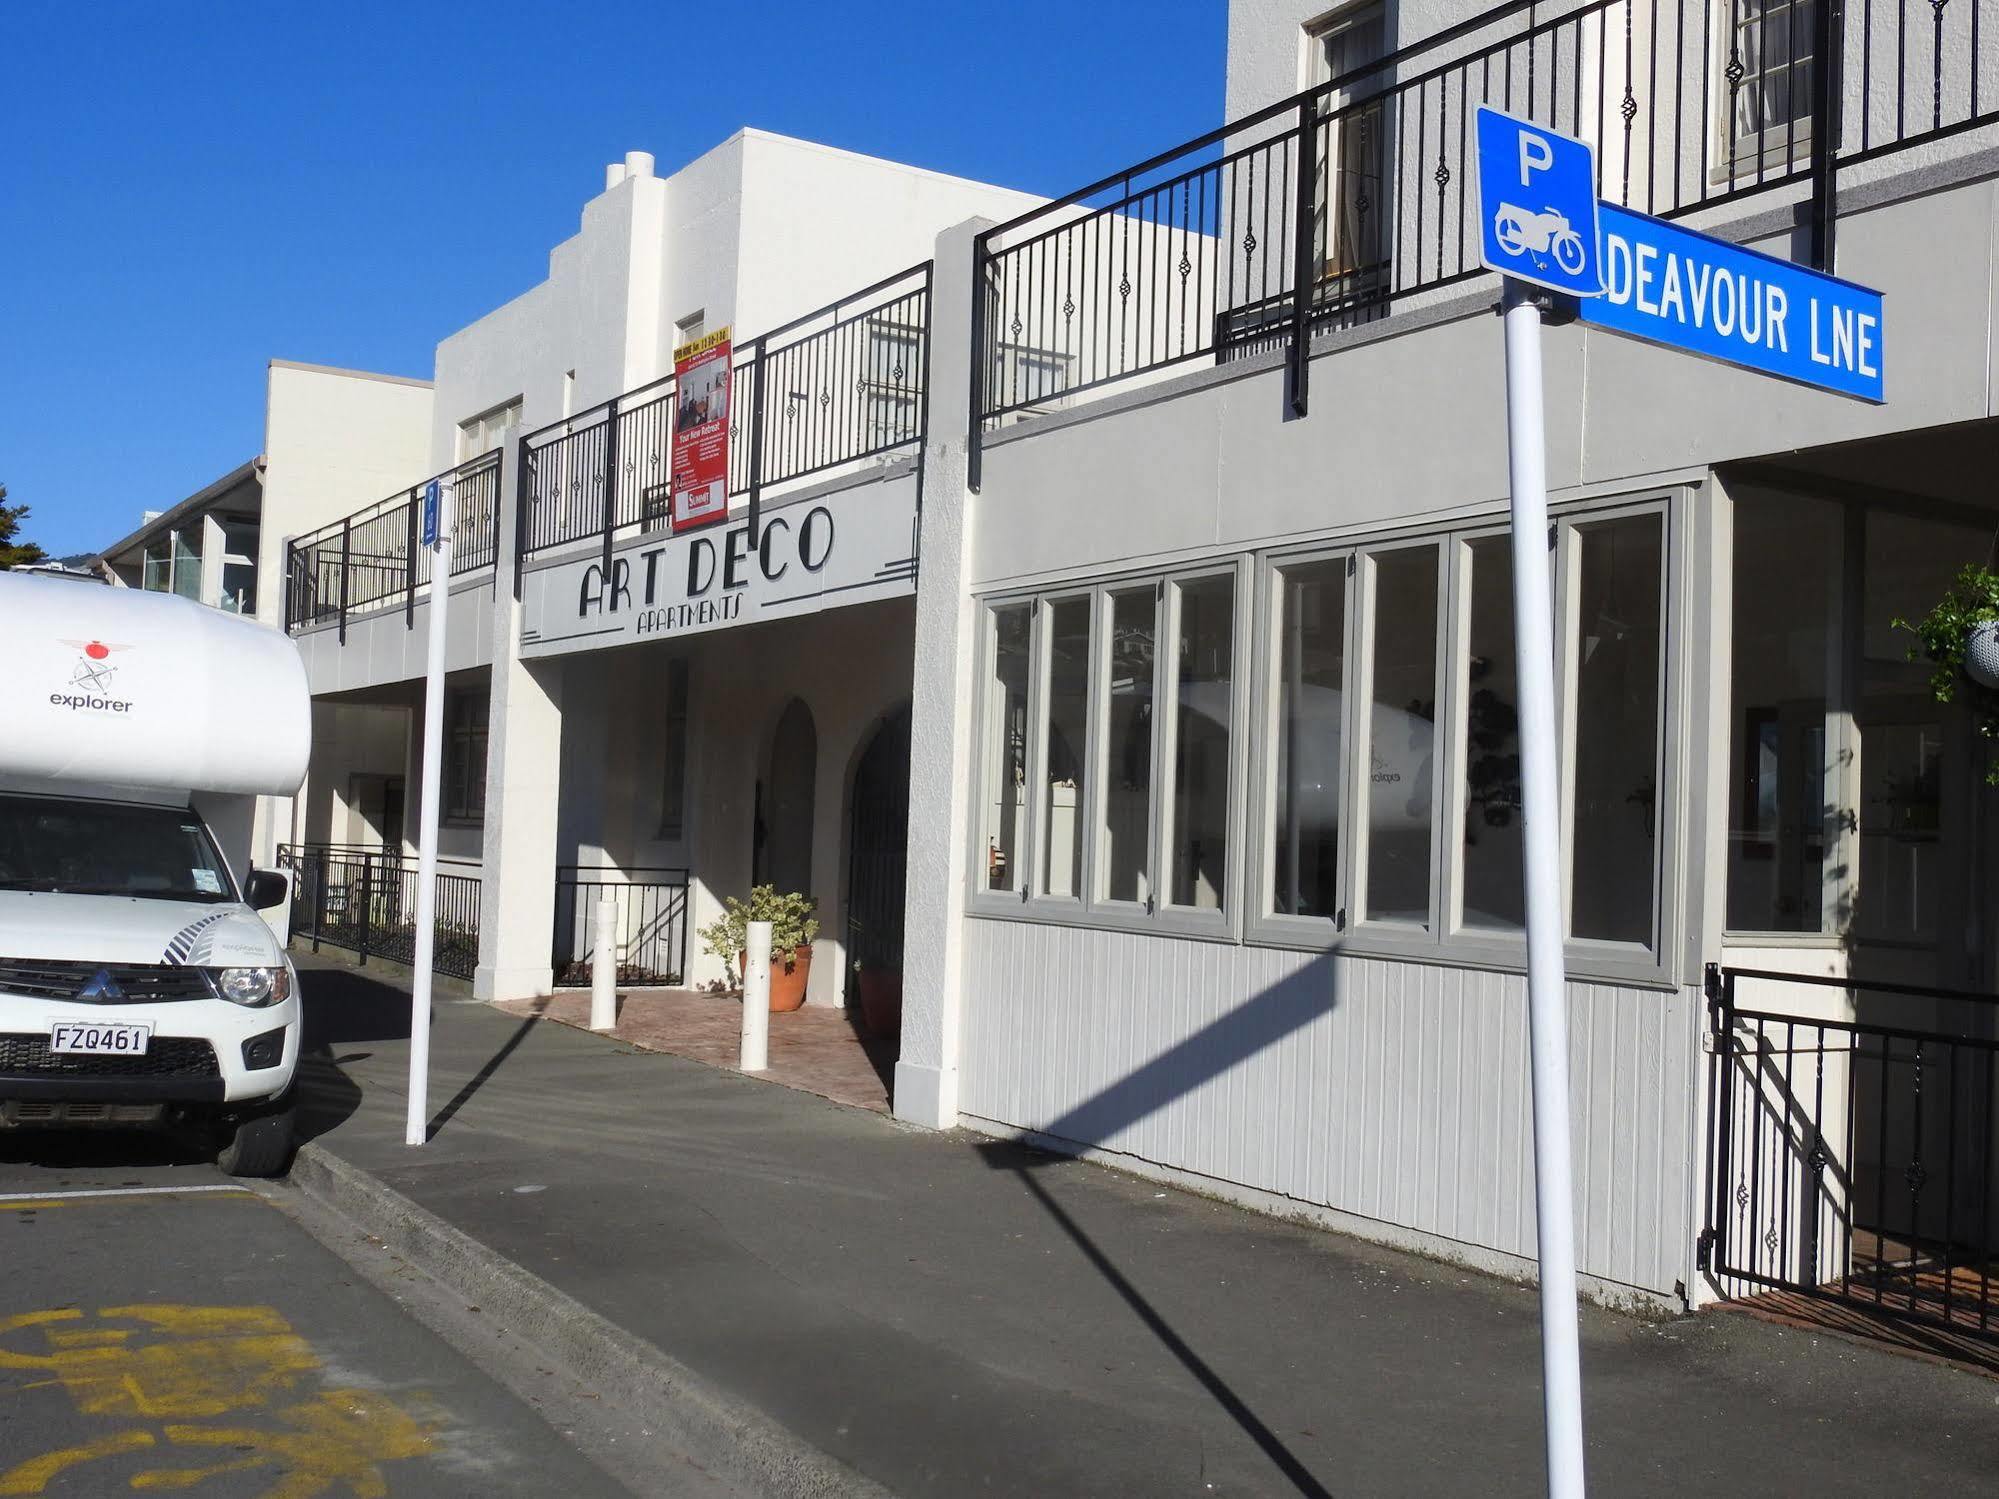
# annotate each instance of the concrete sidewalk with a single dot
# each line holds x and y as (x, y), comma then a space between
(950, 1316)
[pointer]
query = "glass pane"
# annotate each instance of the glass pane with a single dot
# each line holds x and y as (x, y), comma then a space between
(1006, 745)
(1201, 743)
(1492, 892)
(1617, 663)
(1787, 562)
(1067, 740)
(1311, 681)
(1402, 736)
(1128, 762)
(187, 563)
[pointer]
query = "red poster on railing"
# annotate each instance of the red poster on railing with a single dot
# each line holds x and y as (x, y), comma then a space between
(701, 431)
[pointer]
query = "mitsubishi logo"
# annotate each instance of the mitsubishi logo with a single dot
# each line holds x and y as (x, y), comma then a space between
(101, 989)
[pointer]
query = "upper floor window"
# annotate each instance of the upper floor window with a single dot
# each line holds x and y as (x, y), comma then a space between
(894, 382)
(1349, 191)
(1029, 378)
(1766, 81)
(488, 431)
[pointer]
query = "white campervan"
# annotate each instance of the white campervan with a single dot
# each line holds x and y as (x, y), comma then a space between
(138, 983)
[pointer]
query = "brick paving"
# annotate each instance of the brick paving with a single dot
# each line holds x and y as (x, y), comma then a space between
(816, 1049)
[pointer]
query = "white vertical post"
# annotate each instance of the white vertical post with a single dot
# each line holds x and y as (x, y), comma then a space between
(604, 964)
(756, 998)
(1547, 984)
(417, 1128)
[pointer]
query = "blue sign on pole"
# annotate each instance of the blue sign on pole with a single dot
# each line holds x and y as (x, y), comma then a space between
(1672, 286)
(433, 503)
(1537, 205)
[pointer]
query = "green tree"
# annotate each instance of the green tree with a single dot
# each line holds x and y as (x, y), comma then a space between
(15, 553)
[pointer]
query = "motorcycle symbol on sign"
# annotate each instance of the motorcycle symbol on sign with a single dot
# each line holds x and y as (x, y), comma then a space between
(1547, 233)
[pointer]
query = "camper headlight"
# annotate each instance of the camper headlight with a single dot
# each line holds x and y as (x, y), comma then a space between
(253, 987)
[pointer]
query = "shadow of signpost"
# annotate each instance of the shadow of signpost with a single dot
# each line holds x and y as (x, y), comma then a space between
(1279, 1012)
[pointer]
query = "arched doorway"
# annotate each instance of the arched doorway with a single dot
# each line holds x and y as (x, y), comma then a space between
(877, 873)
(783, 855)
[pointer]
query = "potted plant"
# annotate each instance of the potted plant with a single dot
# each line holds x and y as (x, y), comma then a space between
(1960, 637)
(879, 990)
(792, 928)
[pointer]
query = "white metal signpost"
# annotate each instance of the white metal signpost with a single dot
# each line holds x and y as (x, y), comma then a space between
(1542, 226)
(1537, 207)
(437, 537)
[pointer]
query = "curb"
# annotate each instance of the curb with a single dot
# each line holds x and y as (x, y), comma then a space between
(717, 1431)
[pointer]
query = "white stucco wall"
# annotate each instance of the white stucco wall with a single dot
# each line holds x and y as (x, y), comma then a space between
(334, 442)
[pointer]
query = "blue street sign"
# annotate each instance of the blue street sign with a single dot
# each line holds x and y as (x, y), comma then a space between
(1671, 286)
(433, 497)
(1537, 205)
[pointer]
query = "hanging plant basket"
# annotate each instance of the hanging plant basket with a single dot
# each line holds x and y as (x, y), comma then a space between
(1959, 637)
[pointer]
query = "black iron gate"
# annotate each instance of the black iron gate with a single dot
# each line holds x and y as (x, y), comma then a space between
(1851, 1149)
(878, 848)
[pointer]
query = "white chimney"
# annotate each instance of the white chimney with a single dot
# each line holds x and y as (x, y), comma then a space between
(638, 163)
(613, 175)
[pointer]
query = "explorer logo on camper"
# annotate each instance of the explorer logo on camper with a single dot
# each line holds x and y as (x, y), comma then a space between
(90, 680)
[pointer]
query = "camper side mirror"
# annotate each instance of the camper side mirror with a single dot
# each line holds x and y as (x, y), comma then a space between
(267, 888)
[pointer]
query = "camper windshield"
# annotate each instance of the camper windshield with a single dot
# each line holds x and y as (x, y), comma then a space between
(109, 848)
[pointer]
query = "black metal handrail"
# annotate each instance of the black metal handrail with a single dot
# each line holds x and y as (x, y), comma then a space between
(652, 924)
(373, 557)
(1850, 1156)
(1359, 191)
(365, 902)
(842, 384)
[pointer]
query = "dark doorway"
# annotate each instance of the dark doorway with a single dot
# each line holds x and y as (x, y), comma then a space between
(877, 872)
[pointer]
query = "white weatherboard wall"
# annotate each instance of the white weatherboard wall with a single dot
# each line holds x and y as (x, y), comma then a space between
(1392, 1092)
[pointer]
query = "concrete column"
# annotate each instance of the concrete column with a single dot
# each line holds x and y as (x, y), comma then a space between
(926, 1076)
(523, 786)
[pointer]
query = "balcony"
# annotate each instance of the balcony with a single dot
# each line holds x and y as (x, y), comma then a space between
(371, 560)
(1360, 191)
(833, 389)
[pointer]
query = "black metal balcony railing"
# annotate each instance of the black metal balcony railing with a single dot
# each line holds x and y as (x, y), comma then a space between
(373, 557)
(839, 385)
(1361, 190)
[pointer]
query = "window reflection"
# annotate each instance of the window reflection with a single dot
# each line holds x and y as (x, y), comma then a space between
(1006, 745)
(1616, 663)
(1491, 886)
(1128, 765)
(1201, 743)
(1311, 680)
(1402, 736)
(1068, 721)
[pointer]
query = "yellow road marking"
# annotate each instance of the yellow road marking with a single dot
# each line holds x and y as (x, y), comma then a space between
(32, 1476)
(169, 1362)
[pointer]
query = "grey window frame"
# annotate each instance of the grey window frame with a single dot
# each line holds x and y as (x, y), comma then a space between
(1246, 916)
(1095, 909)
(1262, 922)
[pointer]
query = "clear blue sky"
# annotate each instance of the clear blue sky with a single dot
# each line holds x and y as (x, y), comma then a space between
(189, 189)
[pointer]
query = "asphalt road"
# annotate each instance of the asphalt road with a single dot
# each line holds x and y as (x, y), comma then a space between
(162, 1328)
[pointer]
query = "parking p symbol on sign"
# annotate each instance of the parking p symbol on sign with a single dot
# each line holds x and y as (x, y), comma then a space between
(1537, 205)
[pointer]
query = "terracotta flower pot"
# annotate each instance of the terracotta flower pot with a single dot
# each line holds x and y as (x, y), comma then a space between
(881, 1002)
(787, 980)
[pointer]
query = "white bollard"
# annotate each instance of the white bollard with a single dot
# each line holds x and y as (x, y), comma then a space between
(604, 964)
(756, 999)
